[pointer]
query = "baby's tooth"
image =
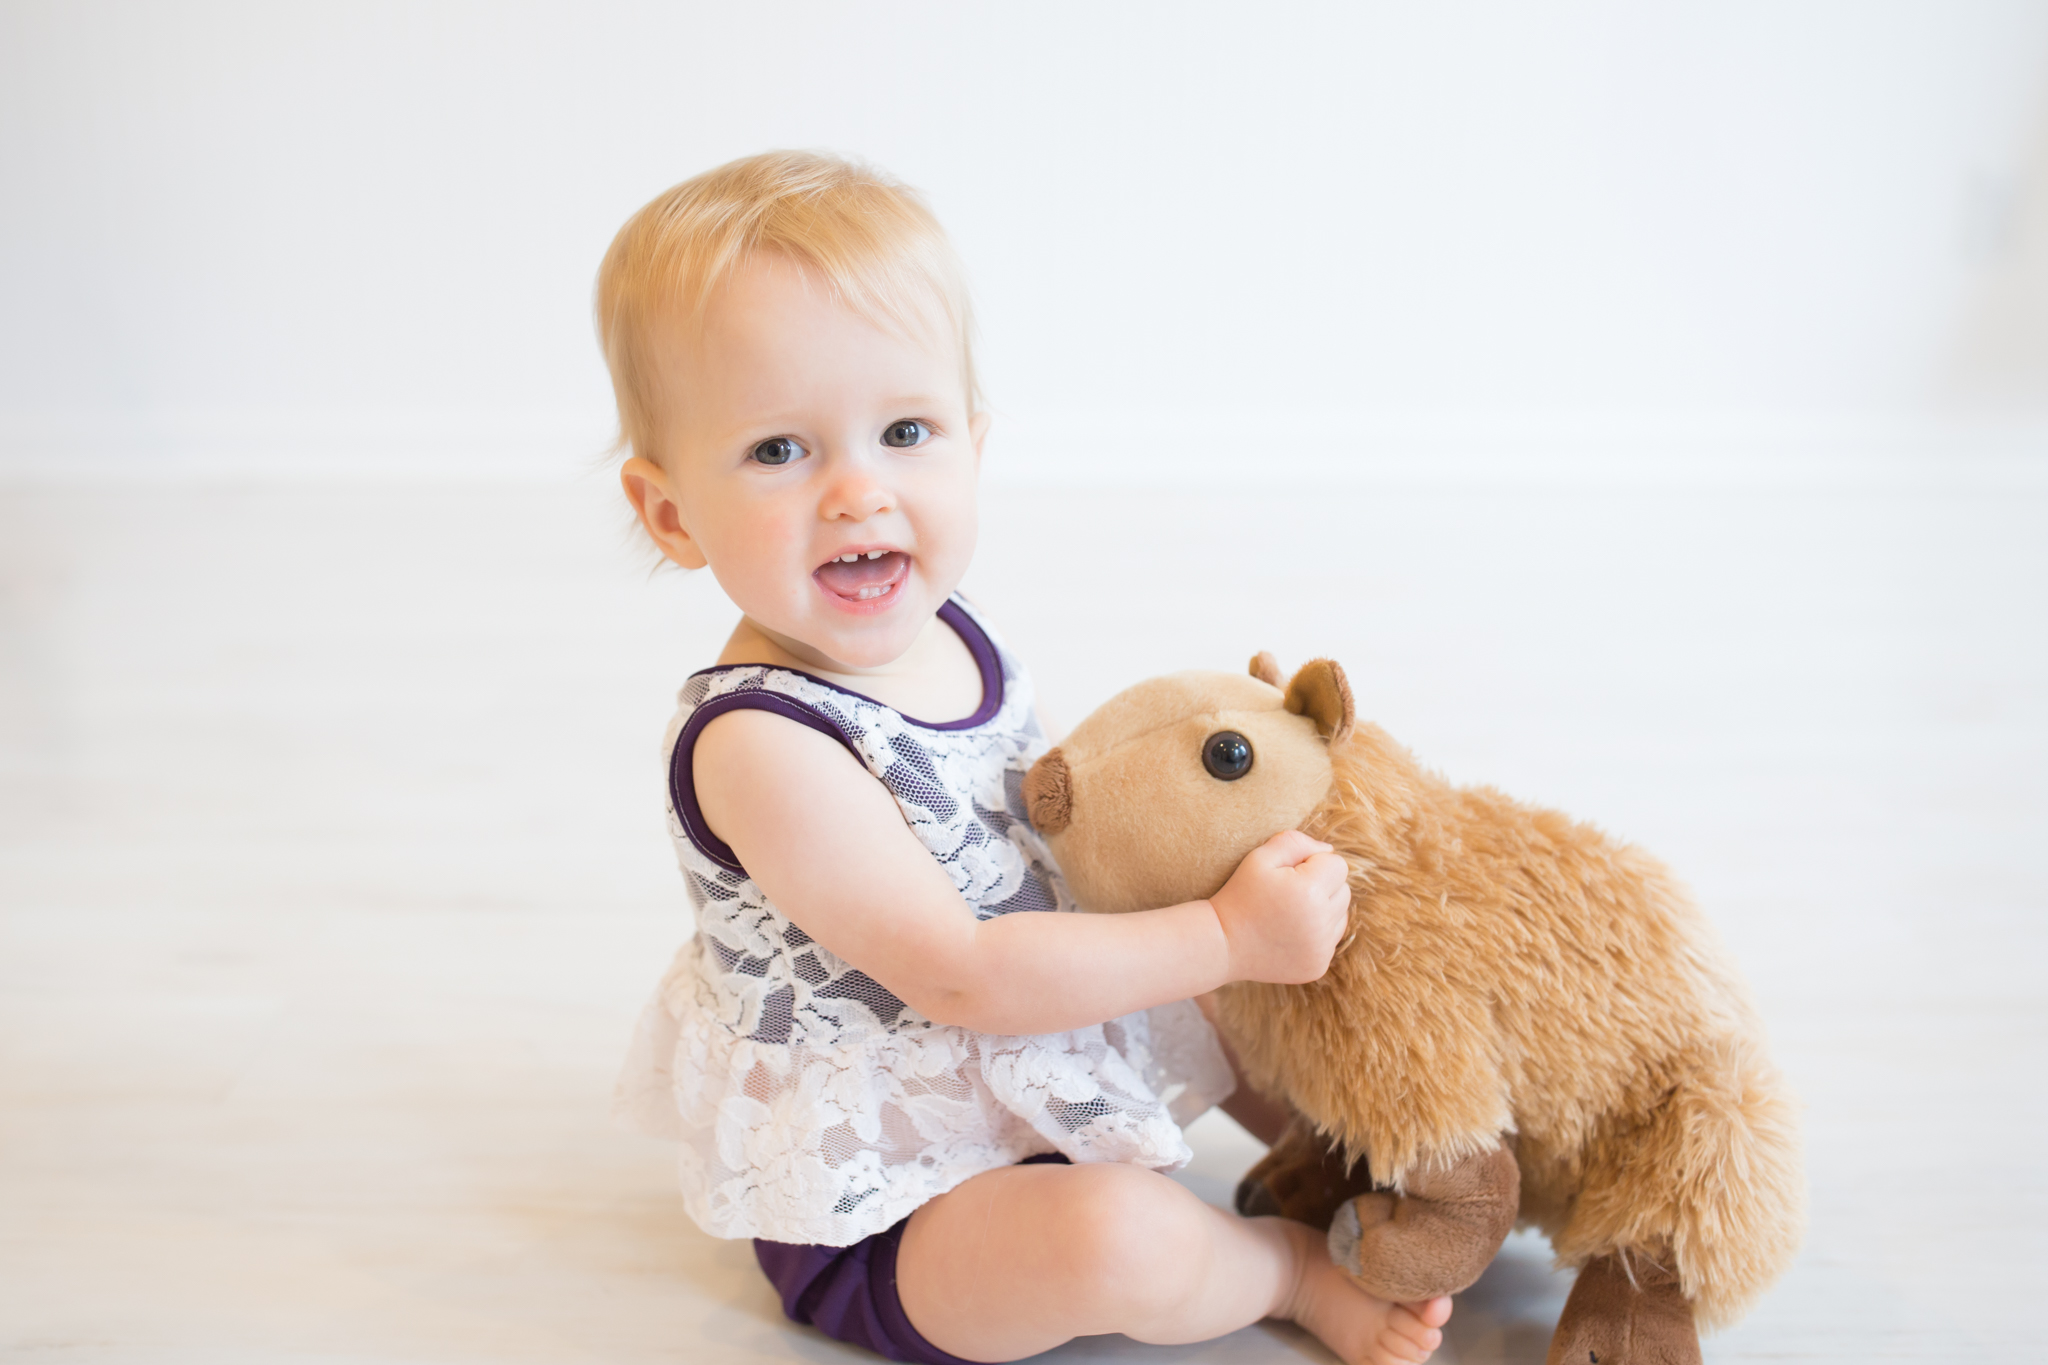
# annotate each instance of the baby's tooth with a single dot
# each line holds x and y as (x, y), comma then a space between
(876, 554)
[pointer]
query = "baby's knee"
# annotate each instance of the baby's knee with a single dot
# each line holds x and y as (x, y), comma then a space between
(1134, 1233)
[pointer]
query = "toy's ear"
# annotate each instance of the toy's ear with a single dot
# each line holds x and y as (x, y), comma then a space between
(1266, 669)
(1321, 692)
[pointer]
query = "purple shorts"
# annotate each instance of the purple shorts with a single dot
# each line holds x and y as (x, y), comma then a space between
(849, 1293)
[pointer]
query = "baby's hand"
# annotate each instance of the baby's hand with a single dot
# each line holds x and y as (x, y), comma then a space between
(1284, 909)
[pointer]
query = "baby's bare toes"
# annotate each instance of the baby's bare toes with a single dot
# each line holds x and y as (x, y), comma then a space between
(1396, 1348)
(1404, 1322)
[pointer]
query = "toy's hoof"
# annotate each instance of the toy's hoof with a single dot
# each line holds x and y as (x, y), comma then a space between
(1254, 1200)
(1613, 1318)
(1366, 1244)
(1303, 1178)
(1345, 1235)
(1437, 1237)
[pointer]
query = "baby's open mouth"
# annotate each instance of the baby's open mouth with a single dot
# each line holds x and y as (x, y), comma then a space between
(865, 576)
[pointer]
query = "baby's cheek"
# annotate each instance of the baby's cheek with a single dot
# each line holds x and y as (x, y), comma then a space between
(773, 547)
(947, 513)
(759, 562)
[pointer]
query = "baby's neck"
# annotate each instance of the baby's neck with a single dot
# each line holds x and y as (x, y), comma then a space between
(935, 679)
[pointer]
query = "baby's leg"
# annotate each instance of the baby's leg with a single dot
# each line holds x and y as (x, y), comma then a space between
(1019, 1260)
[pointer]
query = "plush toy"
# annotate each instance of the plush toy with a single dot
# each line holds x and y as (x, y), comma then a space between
(1528, 1022)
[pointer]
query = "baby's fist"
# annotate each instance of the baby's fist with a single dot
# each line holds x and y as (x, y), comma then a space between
(1284, 910)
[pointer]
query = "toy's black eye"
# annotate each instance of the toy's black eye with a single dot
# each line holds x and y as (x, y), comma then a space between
(905, 433)
(776, 450)
(1227, 755)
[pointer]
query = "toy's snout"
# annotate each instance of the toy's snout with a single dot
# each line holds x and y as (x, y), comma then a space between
(1049, 793)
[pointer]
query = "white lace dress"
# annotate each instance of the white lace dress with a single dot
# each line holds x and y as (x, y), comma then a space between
(811, 1105)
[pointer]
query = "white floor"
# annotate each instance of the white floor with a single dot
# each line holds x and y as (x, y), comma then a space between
(332, 874)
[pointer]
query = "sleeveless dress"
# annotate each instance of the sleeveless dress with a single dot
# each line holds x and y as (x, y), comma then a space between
(810, 1104)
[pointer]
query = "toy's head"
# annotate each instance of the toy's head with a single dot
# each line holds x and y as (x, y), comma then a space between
(1156, 797)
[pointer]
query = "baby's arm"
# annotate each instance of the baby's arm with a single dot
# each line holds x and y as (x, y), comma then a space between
(827, 843)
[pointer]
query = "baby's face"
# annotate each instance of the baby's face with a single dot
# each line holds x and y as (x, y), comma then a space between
(823, 467)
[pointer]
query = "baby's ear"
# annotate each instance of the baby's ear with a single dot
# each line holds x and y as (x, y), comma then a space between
(1321, 692)
(1266, 669)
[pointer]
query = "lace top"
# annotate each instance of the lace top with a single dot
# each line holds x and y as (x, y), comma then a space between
(813, 1106)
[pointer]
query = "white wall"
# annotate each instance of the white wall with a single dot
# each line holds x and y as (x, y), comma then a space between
(291, 237)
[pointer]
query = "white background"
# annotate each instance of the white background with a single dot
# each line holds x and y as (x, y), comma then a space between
(1684, 368)
(1205, 238)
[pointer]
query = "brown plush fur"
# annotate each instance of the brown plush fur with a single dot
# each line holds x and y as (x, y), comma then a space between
(1509, 971)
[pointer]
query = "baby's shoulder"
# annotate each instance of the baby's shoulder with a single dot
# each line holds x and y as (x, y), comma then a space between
(759, 717)
(754, 791)
(757, 735)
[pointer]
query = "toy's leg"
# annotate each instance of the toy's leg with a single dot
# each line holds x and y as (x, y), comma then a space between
(1437, 1237)
(1303, 1177)
(1613, 1319)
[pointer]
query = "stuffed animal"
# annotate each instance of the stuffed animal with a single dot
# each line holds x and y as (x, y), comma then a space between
(1527, 1022)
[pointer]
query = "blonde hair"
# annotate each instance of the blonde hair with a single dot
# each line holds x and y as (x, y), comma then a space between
(870, 239)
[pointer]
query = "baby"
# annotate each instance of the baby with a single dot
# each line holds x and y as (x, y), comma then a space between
(943, 1115)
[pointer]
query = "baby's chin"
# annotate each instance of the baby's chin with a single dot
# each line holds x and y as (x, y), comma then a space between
(855, 637)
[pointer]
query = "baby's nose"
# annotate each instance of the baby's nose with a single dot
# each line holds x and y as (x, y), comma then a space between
(857, 494)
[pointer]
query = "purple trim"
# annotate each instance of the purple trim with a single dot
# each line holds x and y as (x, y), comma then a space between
(986, 661)
(682, 763)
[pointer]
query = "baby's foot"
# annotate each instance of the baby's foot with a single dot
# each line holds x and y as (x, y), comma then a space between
(1361, 1329)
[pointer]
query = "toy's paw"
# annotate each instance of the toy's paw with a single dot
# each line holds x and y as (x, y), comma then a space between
(1434, 1239)
(1303, 1178)
(1613, 1318)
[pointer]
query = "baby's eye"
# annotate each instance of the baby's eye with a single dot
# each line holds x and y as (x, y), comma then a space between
(906, 433)
(776, 450)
